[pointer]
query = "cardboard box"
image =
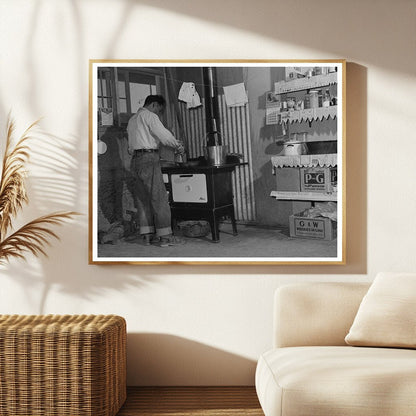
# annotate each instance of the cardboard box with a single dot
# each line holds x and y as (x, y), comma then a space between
(287, 179)
(319, 228)
(318, 179)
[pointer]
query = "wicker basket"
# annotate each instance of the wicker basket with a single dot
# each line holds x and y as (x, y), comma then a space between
(71, 365)
(195, 228)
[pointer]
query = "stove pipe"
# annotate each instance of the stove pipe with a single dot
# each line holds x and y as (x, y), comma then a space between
(211, 107)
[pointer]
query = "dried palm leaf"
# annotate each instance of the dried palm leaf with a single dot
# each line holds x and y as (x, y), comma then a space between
(33, 237)
(12, 183)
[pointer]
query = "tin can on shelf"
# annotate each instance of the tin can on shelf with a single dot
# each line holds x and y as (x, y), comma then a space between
(326, 99)
(314, 99)
(307, 101)
(300, 105)
(299, 136)
(291, 102)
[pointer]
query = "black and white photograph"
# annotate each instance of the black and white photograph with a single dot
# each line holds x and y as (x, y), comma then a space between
(217, 162)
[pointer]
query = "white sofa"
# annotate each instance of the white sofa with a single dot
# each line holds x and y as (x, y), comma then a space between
(311, 371)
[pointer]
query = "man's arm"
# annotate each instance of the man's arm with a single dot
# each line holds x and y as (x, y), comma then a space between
(161, 132)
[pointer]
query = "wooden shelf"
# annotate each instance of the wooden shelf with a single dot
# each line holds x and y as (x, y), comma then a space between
(310, 114)
(303, 196)
(274, 116)
(301, 161)
(299, 84)
(312, 140)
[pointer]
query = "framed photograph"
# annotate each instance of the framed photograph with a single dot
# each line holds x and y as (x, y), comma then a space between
(217, 162)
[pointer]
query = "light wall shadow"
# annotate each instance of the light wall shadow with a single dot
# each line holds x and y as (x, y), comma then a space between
(168, 360)
(336, 28)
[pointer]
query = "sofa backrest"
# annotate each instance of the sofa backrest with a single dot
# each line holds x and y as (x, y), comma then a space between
(308, 314)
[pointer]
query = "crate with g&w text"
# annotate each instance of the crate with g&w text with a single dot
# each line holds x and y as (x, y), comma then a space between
(320, 228)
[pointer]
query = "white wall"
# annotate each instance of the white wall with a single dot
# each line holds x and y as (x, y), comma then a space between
(204, 324)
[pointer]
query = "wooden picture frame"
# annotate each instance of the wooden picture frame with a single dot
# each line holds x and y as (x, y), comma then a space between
(264, 177)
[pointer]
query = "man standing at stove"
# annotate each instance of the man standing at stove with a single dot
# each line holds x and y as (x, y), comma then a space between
(145, 134)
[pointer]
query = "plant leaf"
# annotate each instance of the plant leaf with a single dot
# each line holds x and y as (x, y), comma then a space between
(32, 237)
(12, 183)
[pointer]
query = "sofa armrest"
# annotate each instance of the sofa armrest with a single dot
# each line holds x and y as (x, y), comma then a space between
(308, 314)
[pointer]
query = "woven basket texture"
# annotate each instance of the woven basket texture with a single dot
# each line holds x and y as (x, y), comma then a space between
(53, 365)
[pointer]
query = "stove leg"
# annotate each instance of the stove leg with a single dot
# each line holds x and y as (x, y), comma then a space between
(234, 224)
(215, 232)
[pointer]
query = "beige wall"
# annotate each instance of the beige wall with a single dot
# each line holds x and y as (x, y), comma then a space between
(199, 324)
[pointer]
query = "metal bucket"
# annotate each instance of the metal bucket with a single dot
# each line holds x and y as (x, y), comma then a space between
(216, 155)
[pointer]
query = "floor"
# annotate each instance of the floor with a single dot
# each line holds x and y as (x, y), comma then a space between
(191, 401)
(251, 242)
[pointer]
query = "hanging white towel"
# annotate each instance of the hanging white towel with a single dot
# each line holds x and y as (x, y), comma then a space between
(106, 116)
(189, 95)
(235, 95)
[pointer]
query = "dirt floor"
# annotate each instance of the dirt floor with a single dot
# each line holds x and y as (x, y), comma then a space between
(251, 242)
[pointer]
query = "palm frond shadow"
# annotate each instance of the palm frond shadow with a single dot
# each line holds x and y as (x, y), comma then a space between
(58, 179)
(56, 182)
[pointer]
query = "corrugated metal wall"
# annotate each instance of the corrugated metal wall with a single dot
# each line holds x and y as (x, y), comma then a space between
(235, 130)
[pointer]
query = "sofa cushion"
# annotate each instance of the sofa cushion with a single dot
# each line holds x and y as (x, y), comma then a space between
(315, 314)
(387, 314)
(304, 381)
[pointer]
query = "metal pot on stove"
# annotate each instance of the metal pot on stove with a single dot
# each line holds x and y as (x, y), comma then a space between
(215, 154)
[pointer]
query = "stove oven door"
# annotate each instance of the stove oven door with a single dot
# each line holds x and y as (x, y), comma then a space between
(189, 188)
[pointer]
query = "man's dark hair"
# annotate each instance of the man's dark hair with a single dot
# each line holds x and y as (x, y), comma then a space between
(154, 99)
